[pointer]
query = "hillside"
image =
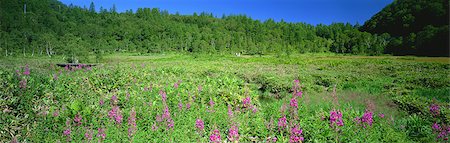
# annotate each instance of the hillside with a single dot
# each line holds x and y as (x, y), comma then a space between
(419, 27)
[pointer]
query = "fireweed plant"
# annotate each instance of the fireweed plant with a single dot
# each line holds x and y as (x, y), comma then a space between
(148, 104)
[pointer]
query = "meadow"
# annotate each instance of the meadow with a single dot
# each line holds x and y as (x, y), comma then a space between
(216, 98)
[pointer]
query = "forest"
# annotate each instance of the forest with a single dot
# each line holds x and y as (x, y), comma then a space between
(49, 27)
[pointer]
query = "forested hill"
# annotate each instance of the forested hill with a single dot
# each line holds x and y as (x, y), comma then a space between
(48, 27)
(420, 27)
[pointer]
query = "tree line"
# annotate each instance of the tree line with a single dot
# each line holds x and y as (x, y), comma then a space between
(49, 27)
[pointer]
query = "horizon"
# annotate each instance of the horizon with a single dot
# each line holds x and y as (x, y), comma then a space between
(312, 12)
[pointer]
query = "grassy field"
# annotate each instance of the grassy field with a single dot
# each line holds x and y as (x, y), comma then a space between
(166, 98)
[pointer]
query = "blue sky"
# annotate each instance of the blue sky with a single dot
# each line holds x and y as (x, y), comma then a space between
(308, 11)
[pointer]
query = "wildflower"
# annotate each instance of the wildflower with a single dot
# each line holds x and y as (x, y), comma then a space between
(336, 118)
(77, 119)
(101, 133)
(254, 109)
(233, 134)
(132, 123)
(246, 101)
(101, 102)
(381, 115)
(188, 106)
(166, 114)
(163, 95)
(114, 99)
(23, 83)
(282, 122)
(180, 105)
(56, 113)
(367, 118)
(128, 96)
(175, 85)
(88, 135)
(230, 112)
(436, 127)
(296, 135)
(211, 104)
(294, 103)
(159, 118)
(55, 76)
(115, 114)
(27, 70)
(66, 132)
(154, 127)
(215, 137)
(434, 109)
(199, 124)
(170, 123)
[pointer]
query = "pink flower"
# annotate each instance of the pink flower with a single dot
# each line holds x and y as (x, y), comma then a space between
(170, 123)
(163, 95)
(132, 123)
(294, 103)
(246, 101)
(180, 105)
(166, 114)
(101, 102)
(56, 113)
(88, 135)
(115, 114)
(101, 133)
(215, 137)
(233, 134)
(154, 127)
(27, 70)
(436, 127)
(199, 124)
(336, 118)
(78, 119)
(282, 122)
(23, 83)
(188, 106)
(434, 109)
(381, 115)
(66, 132)
(230, 112)
(296, 135)
(366, 119)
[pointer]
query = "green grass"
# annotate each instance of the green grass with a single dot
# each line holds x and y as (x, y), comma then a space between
(402, 88)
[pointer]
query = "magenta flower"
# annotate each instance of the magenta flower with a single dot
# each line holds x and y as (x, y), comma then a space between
(175, 85)
(336, 118)
(77, 119)
(163, 95)
(230, 112)
(246, 101)
(180, 105)
(296, 135)
(101, 133)
(115, 114)
(132, 123)
(27, 70)
(159, 118)
(188, 106)
(170, 123)
(66, 132)
(366, 119)
(215, 137)
(233, 134)
(434, 109)
(199, 124)
(436, 127)
(254, 109)
(282, 122)
(166, 114)
(101, 102)
(88, 135)
(114, 99)
(294, 103)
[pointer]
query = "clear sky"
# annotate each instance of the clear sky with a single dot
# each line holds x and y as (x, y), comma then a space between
(308, 11)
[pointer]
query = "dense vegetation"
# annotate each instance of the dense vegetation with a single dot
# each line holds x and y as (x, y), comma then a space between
(51, 28)
(179, 98)
(417, 27)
